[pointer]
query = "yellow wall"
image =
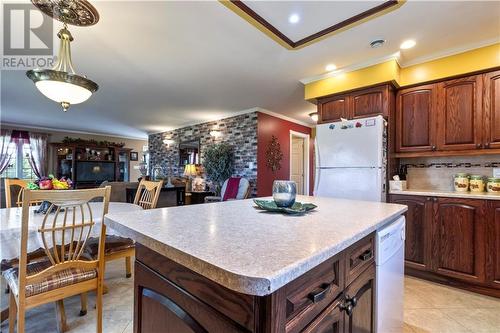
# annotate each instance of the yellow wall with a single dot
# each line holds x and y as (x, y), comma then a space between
(462, 63)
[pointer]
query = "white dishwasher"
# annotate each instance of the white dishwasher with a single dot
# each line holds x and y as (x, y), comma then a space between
(389, 282)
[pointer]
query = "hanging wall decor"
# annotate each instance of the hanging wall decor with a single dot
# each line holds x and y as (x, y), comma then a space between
(274, 154)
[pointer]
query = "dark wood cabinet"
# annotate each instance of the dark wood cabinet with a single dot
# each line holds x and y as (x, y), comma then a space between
(491, 109)
(418, 230)
(416, 119)
(362, 103)
(452, 117)
(329, 321)
(360, 295)
(459, 122)
(454, 241)
(458, 230)
(333, 108)
(171, 298)
(370, 102)
(493, 252)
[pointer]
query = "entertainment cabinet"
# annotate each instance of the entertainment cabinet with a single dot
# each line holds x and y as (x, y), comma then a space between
(89, 164)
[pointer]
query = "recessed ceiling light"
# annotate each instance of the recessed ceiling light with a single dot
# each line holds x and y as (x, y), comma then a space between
(330, 67)
(408, 44)
(377, 43)
(294, 18)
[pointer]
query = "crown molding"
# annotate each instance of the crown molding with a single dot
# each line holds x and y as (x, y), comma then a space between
(450, 52)
(352, 68)
(53, 129)
(403, 64)
(282, 116)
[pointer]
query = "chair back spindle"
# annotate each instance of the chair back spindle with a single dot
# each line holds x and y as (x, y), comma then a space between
(148, 193)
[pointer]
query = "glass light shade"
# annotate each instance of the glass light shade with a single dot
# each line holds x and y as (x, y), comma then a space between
(314, 116)
(190, 170)
(63, 92)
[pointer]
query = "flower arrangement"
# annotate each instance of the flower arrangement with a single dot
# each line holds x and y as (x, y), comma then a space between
(51, 183)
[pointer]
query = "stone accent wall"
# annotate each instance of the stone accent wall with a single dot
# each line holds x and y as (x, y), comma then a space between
(239, 131)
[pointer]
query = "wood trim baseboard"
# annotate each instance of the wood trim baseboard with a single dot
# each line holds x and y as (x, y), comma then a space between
(448, 281)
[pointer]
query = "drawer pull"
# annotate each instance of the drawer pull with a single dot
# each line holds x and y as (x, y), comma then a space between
(320, 295)
(365, 255)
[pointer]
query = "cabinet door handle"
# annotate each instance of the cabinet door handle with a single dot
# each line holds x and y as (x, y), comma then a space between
(478, 145)
(487, 145)
(318, 296)
(348, 305)
(433, 147)
(366, 255)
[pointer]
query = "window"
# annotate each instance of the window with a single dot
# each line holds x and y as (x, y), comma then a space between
(19, 166)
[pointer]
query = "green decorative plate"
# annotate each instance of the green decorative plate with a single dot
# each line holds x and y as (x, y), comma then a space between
(297, 208)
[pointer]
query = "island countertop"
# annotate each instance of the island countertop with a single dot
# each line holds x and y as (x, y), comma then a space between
(251, 251)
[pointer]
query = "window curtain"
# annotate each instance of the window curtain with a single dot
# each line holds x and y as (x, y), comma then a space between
(5, 156)
(38, 153)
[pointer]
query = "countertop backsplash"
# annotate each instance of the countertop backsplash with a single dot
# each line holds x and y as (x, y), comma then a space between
(436, 173)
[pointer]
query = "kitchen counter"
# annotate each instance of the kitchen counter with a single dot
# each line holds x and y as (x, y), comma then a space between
(453, 194)
(250, 251)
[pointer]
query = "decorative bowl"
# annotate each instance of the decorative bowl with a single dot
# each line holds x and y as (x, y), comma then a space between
(297, 208)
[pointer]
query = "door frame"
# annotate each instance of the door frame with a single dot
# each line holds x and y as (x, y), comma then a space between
(307, 147)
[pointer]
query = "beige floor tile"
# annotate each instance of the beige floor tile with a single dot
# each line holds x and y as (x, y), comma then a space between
(429, 308)
(432, 321)
(477, 320)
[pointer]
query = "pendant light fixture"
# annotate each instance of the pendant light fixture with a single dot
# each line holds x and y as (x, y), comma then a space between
(61, 83)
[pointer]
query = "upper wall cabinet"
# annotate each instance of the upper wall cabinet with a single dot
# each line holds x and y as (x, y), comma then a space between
(362, 103)
(459, 114)
(370, 102)
(491, 110)
(416, 118)
(333, 108)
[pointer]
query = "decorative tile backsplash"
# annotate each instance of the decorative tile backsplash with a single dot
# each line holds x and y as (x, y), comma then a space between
(239, 131)
(436, 173)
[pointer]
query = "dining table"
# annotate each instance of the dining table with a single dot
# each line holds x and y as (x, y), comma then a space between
(11, 222)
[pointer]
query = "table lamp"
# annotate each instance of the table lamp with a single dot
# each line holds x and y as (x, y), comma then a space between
(190, 172)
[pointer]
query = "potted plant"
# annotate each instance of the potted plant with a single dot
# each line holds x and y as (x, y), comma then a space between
(218, 164)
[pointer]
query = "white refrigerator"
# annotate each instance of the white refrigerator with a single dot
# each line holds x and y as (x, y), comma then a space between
(350, 159)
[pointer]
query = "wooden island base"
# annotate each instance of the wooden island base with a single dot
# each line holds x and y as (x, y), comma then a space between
(335, 296)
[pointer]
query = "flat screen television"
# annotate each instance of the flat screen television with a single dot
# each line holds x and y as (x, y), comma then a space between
(94, 171)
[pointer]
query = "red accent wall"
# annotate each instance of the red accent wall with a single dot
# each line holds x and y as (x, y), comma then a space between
(267, 126)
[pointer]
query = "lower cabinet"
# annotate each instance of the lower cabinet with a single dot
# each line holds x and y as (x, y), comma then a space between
(336, 296)
(454, 241)
(459, 238)
(359, 304)
(418, 230)
(493, 252)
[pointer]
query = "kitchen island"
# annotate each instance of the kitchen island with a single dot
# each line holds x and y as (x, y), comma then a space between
(228, 267)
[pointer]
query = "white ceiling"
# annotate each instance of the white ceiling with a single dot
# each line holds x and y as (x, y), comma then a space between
(314, 16)
(162, 65)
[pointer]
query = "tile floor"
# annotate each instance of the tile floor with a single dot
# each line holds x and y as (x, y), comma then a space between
(429, 308)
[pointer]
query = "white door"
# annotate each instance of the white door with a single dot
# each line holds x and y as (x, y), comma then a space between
(297, 163)
(349, 183)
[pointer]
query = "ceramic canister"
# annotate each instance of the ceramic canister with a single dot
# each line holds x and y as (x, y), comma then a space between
(476, 183)
(461, 182)
(493, 185)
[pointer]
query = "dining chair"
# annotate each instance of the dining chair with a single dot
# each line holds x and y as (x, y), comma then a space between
(244, 190)
(66, 272)
(9, 185)
(148, 193)
(22, 184)
(117, 247)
